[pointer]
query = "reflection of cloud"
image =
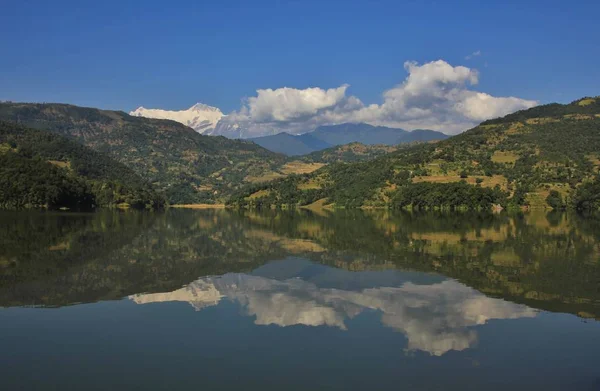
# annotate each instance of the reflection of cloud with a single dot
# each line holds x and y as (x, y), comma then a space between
(435, 318)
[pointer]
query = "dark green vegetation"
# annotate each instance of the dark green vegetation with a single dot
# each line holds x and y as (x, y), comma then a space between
(325, 137)
(186, 166)
(455, 195)
(587, 196)
(547, 261)
(38, 168)
(548, 154)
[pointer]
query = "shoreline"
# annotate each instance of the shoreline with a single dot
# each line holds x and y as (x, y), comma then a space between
(198, 206)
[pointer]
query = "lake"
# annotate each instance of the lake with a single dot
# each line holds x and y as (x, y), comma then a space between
(299, 300)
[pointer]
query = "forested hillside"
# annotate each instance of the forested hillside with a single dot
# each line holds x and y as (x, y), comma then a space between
(186, 166)
(547, 156)
(38, 168)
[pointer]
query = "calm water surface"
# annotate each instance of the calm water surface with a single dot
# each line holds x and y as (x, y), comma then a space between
(222, 300)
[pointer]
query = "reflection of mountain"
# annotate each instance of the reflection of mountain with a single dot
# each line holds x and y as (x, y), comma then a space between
(199, 294)
(435, 318)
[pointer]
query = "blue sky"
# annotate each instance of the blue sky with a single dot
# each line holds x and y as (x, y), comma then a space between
(123, 54)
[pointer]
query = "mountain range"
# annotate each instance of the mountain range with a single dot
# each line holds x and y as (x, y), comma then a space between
(544, 156)
(325, 137)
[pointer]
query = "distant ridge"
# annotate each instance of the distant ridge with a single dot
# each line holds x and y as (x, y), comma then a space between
(325, 137)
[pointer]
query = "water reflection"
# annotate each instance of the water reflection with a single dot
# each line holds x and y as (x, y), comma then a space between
(435, 317)
(545, 261)
(298, 300)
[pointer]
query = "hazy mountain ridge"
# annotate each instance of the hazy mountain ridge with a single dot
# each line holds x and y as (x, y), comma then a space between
(325, 137)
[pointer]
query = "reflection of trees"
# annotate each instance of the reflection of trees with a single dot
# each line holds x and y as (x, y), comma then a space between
(545, 261)
(41, 253)
(75, 258)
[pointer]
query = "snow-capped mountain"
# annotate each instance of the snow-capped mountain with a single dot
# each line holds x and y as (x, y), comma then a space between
(200, 117)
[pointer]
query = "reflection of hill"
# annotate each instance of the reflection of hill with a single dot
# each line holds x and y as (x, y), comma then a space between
(435, 318)
(545, 261)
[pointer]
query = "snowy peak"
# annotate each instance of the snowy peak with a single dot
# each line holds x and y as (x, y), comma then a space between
(200, 117)
(201, 107)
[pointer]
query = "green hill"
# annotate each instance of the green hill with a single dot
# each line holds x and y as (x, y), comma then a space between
(545, 156)
(38, 168)
(187, 166)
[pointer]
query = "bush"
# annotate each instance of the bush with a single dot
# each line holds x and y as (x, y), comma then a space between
(555, 200)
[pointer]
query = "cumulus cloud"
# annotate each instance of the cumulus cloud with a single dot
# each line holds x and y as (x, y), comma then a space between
(434, 95)
(288, 104)
(438, 96)
(288, 110)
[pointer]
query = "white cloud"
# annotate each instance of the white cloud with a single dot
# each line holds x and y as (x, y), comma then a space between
(480, 106)
(288, 104)
(474, 54)
(434, 95)
(290, 110)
